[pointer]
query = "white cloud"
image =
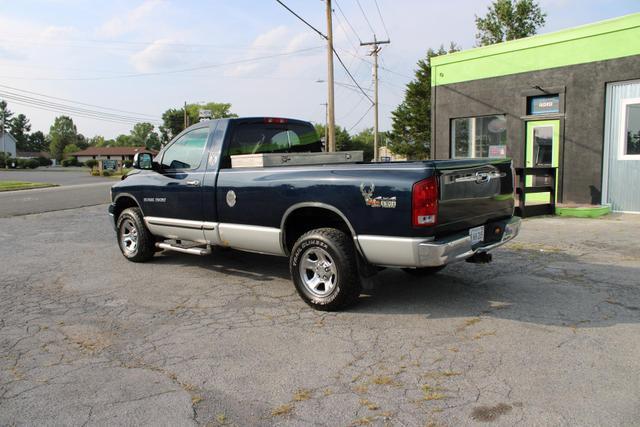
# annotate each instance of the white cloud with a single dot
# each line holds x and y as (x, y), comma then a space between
(158, 55)
(132, 20)
(278, 40)
(53, 32)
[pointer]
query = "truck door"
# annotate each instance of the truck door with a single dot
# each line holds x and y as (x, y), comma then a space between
(174, 197)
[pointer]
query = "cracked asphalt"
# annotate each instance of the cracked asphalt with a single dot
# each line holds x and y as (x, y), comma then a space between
(548, 334)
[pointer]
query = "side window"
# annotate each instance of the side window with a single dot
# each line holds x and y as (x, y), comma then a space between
(186, 151)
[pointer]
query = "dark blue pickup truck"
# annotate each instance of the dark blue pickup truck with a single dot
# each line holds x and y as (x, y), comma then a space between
(337, 222)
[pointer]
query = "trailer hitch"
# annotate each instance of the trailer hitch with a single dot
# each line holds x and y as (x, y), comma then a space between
(480, 258)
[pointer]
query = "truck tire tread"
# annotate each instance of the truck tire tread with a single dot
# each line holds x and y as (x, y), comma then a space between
(341, 248)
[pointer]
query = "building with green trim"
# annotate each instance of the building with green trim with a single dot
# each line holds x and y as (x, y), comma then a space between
(569, 99)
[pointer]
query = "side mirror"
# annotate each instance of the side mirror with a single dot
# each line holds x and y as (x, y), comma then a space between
(143, 161)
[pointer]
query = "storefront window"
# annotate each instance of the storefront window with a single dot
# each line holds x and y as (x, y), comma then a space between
(632, 130)
(479, 137)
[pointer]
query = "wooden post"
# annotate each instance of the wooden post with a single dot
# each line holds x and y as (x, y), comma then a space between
(522, 198)
(554, 172)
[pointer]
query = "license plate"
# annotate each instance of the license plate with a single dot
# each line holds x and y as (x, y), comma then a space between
(477, 234)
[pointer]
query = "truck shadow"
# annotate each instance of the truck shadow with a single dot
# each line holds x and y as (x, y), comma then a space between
(548, 288)
(525, 285)
(263, 268)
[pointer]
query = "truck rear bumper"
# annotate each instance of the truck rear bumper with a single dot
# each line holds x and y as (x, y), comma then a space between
(418, 252)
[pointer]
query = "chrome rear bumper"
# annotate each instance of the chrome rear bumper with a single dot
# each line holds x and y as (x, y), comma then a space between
(416, 252)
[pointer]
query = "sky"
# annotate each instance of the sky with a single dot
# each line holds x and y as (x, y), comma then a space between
(132, 60)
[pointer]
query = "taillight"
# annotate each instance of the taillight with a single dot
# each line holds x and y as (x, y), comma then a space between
(424, 202)
(275, 120)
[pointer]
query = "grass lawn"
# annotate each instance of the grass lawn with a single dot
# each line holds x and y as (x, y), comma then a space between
(22, 185)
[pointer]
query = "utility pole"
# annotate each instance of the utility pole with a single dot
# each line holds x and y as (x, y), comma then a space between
(375, 49)
(186, 124)
(326, 124)
(331, 119)
(6, 164)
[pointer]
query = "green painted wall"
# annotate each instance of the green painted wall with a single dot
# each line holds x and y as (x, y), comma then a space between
(614, 38)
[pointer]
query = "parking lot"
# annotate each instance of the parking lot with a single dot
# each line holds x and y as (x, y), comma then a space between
(548, 334)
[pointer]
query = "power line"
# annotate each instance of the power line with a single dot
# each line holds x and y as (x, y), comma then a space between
(365, 17)
(78, 102)
(26, 39)
(73, 114)
(351, 76)
(347, 21)
(345, 32)
(159, 73)
(70, 109)
(382, 19)
(20, 97)
(381, 67)
(360, 119)
(360, 99)
(302, 19)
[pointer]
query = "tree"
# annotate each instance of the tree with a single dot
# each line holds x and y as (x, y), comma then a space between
(122, 140)
(5, 115)
(364, 141)
(343, 139)
(82, 142)
(69, 150)
(62, 133)
(509, 20)
(143, 135)
(19, 127)
(38, 142)
(172, 124)
(411, 120)
(173, 119)
(97, 141)
(219, 110)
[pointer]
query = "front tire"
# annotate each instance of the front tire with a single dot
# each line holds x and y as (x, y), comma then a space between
(324, 269)
(134, 239)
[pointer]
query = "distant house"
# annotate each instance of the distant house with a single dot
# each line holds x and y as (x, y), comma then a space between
(8, 144)
(385, 155)
(110, 153)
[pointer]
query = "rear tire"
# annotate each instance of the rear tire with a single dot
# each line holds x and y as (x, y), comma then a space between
(323, 267)
(136, 243)
(423, 271)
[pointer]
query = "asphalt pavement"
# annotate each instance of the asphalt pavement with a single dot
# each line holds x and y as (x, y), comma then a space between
(547, 334)
(77, 189)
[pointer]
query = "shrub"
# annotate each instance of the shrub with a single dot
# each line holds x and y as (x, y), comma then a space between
(71, 161)
(91, 163)
(95, 172)
(3, 160)
(22, 163)
(32, 163)
(12, 162)
(107, 172)
(43, 161)
(128, 164)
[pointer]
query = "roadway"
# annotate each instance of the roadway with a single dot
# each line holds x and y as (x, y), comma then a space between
(76, 189)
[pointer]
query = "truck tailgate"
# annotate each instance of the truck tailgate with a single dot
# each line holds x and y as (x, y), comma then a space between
(473, 192)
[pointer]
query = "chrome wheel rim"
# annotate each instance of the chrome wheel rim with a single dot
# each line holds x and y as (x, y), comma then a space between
(128, 237)
(318, 272)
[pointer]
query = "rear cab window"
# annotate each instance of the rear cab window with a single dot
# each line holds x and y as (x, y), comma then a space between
(267, 137)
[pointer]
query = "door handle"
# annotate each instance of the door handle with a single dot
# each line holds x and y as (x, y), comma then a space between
(193, 182)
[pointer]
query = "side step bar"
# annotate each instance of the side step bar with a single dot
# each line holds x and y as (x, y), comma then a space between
(192, 251)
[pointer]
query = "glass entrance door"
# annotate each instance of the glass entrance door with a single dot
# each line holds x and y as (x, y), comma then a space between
(543, 150)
